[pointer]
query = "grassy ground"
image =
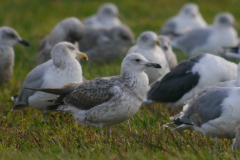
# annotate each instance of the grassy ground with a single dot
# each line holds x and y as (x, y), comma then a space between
(142, 137)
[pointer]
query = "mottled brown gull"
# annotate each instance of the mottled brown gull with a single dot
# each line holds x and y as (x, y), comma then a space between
(106, 101)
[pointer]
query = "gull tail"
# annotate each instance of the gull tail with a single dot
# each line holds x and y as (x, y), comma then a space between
(65, 90)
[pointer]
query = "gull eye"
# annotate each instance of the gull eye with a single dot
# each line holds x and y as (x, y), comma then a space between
(11, 35)
(137, 60)
(71, 48)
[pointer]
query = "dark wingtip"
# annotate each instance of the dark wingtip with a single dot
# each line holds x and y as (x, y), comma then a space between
(53, 107)
(23, 42)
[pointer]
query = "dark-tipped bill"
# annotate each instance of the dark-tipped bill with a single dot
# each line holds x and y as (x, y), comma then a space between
(25, 43)
(153, 65)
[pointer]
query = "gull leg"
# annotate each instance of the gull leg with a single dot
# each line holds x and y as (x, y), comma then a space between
(216, 142)
(109, 130)
(101, 132)
(46, 117)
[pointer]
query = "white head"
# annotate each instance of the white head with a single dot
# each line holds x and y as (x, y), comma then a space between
(165, 43)
(65, 51)
(108, 10)
(190, 10)
(10, 37)
(122, 34)
(69, 29)
(224, 19)
(136, 63)
(148, 39)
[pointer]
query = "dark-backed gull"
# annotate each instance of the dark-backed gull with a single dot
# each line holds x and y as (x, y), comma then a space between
(190, 77)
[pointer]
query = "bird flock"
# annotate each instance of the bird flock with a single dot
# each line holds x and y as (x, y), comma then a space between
(204, 89)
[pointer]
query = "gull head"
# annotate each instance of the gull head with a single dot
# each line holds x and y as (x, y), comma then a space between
(71, 28)
(108, 10)
(136, 63)
(165, 43)
(123, 34)
(10, 37)
(64, 51)
(190, 10)
(224, 19)
(148, 39)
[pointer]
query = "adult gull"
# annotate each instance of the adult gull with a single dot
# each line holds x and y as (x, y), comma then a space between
(69, 29)
(188, 18)
(111, 43)
(107, 16)
(214, 112)
(106, 101)
(210, 39)
(148, 46)
(190, 77)
(8, 38)
(61, 69)
(167, 49)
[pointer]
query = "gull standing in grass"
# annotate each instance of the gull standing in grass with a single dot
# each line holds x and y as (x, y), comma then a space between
(214, 112)
(111, 43)
(190, 77)
(210, 39)
(69, 29)
(8, 38)
(188, 18)
(167, 49)
(148, 46)
(105, 101)
(61, 69)
(107, 16)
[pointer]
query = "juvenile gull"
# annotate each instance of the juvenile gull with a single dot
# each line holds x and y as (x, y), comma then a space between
(190, 77)
(148, 46)
(188, 18)
(106, 44)
(167, 49)
(214, 112)
(8, 38)
(210, 39)
(61, 69)
(106, 101)
(69, 29)
(107, 16)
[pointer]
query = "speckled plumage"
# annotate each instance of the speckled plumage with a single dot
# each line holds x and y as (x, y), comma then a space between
(106, 101)
(110, 43)
(8, 38)
(69, 29)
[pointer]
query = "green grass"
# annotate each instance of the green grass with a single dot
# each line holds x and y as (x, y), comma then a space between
(26, 136)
